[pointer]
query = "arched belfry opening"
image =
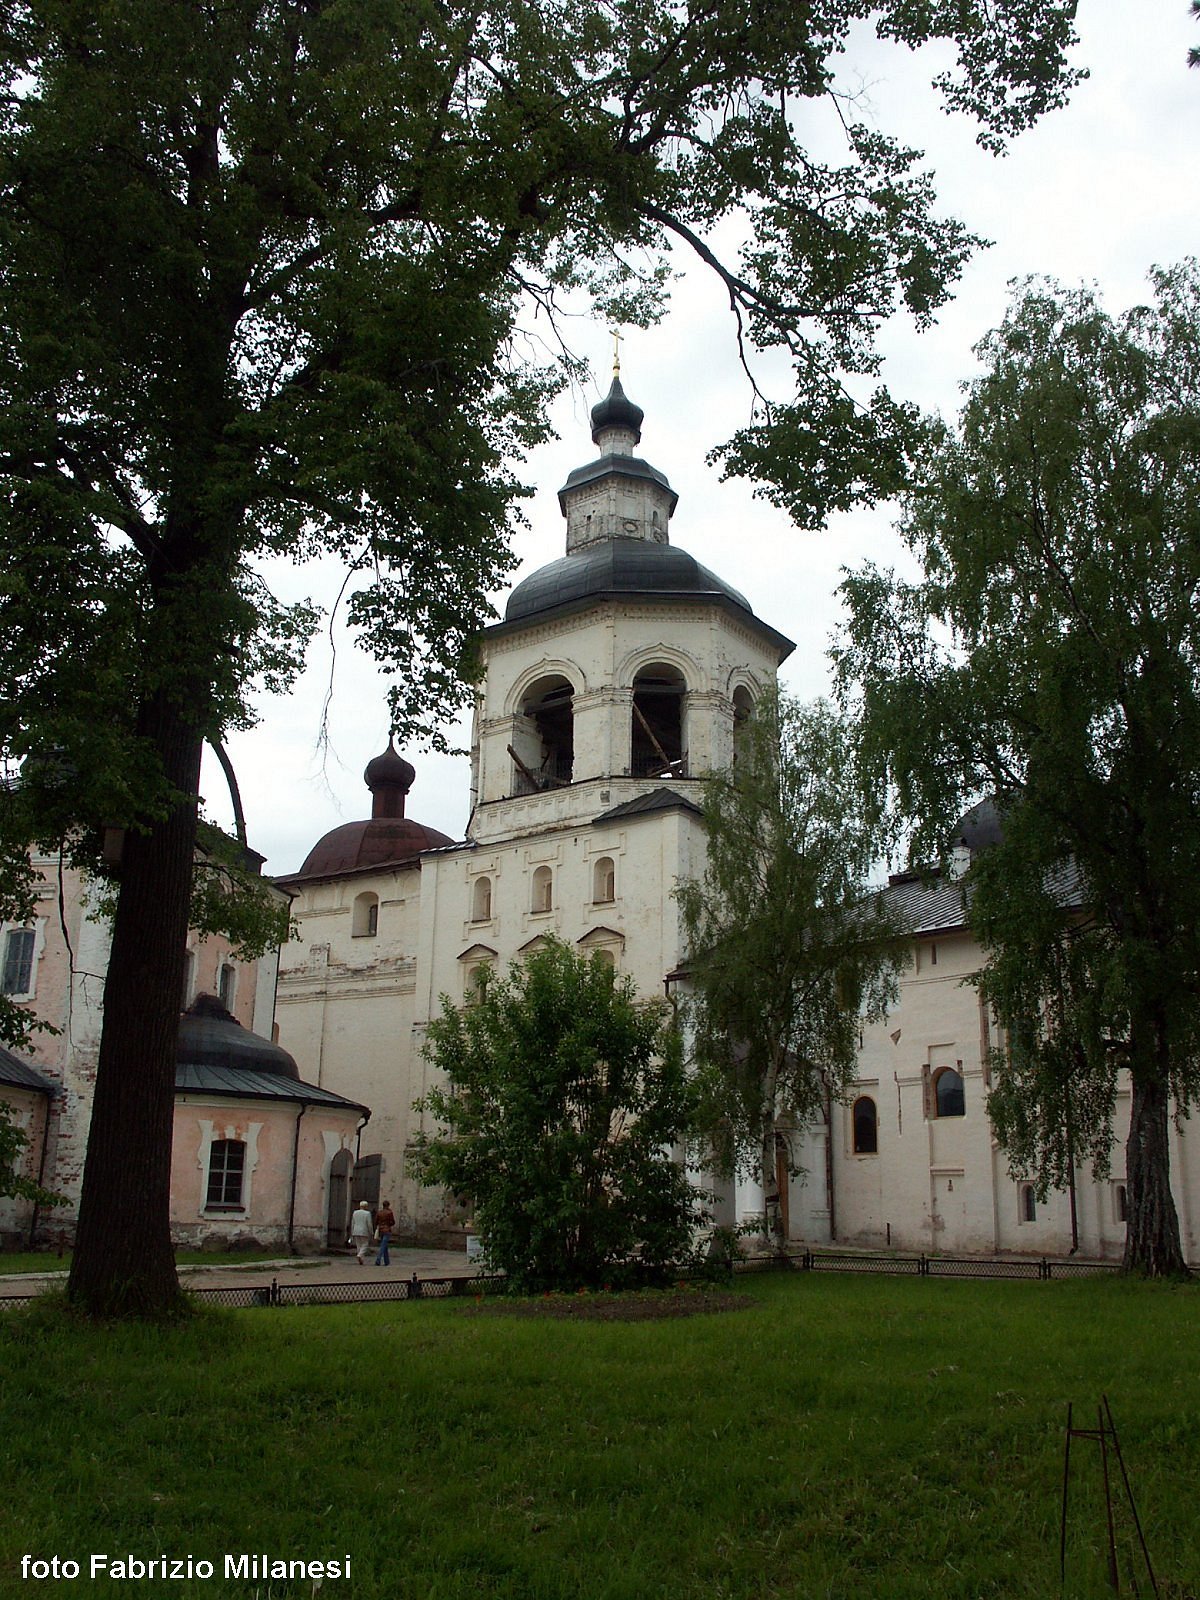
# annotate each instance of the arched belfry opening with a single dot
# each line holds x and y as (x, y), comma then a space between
(743, 706)
(543, 747)
(656, 741)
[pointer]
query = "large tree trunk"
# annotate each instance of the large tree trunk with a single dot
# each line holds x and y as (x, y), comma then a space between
(124, 1263)
(1152, 1242)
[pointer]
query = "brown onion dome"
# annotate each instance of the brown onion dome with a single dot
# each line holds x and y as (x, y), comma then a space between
(386, 838)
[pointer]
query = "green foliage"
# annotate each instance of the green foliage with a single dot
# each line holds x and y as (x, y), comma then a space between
(788, 952)
(13, 1143)
(564, 1098)
(270, 273)
(1049, 655)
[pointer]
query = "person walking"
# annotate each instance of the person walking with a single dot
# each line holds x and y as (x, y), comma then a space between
(361, 1229)
(385, 1226)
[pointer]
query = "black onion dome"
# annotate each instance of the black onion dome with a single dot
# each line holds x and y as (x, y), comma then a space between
(389, 771)
(624, 567)
(209, 1036)
(616, 410)
(980, 827)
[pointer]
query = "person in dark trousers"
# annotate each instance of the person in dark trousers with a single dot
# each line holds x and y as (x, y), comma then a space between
(385, 1224)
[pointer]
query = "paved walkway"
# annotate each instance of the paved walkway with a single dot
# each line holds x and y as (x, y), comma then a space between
(288, 1269)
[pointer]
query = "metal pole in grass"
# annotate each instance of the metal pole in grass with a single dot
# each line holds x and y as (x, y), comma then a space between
(1137, 1521)
(1105, 1431)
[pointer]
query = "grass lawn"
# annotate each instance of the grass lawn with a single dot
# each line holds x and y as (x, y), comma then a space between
(842, 1437)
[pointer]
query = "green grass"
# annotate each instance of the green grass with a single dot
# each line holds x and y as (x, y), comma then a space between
(844, 1437)
(14, 1261)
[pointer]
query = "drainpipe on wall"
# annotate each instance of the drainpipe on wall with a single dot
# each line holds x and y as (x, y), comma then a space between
(295, 1170)
(829, 1187)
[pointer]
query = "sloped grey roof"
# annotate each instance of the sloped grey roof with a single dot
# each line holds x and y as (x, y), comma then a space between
(244, 1084)
(657, 800)
(932, 905)
(624, 568)
(19, 1074)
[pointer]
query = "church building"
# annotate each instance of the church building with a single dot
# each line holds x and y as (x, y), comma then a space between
(614, 684)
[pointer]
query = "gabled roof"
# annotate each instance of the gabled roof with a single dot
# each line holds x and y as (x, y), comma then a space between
(661, 799)
(19, 1074)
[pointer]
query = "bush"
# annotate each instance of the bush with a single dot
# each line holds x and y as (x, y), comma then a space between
(564, 1098)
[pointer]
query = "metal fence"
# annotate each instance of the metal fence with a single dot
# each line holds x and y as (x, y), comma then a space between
(355, 1291)
(923, 1266)
(374, 1290)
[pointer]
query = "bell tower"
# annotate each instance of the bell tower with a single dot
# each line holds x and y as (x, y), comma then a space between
(619, 668)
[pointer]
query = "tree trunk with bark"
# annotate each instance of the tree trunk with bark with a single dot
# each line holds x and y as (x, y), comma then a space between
(1152, 1245)
(124, 1261)
(772, 1202)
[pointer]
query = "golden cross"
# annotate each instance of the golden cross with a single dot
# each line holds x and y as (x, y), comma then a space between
(617, 336)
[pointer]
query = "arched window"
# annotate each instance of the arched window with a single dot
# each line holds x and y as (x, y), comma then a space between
(604, 881)
(1121, 1202)
(866, 1127)
(226, 1169)
(227, 985)
(1028, 1203)
(949, 1100)
(365, 921)
(475, 979)
(481, 900)
(743, 705)
(656, 741)
(543, 747)
(543, 889)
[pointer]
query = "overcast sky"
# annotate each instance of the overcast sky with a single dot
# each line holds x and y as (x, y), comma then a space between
(1095, 193)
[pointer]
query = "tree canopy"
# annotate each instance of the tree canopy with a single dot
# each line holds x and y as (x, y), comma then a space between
(265, 267)
(1050, 656)
(788, 952)
(564, 1097)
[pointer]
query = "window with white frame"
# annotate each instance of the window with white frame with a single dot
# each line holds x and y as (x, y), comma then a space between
(481, 899)
(18, 962)
(226, 1172)
(604, 881)
(365, 920)
(227, 985)
(543, 889)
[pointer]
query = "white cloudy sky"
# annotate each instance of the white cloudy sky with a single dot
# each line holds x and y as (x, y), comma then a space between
(1097, 193)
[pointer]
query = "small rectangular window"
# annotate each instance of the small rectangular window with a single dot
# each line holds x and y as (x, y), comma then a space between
(226, 1165)
(18, 961)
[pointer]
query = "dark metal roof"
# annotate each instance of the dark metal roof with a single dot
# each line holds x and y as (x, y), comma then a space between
(619, 568)
(645, 804)
(615, 466)
(617, 410)
(19, 1074)
(245, 1084)
(938, 904)
(209, 1036)
(372, 844)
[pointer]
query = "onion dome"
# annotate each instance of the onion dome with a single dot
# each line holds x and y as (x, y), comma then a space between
(209, 1036)
(618, 567)
(386, 838)
(980, 827)
(616, 410)
(389, 778)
